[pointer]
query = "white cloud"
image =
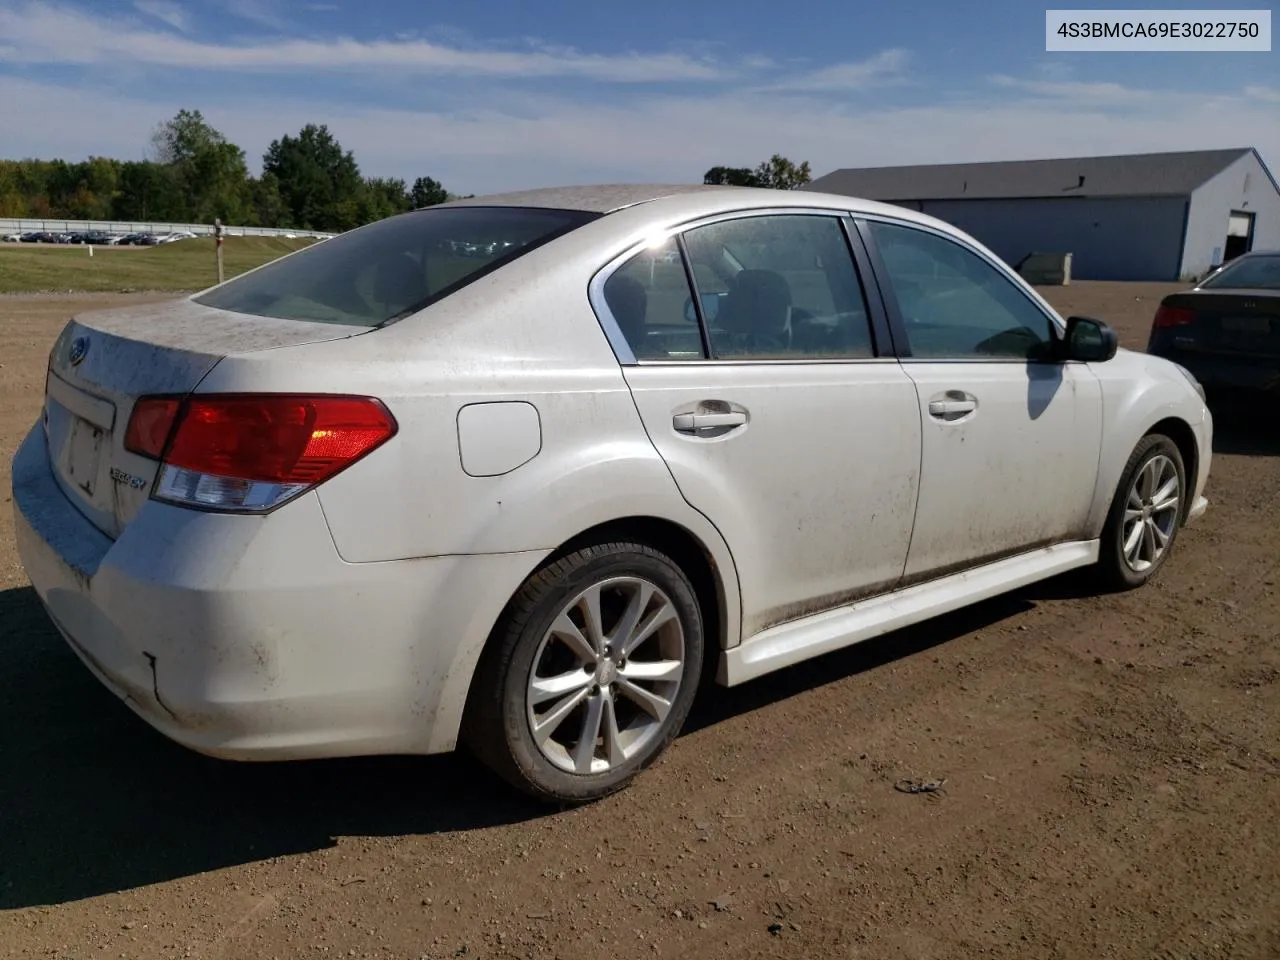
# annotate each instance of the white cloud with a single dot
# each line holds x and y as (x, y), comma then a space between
(527, 142)
(1269, 94)
(885, 67)
(165, 11)
(52, 35)
(263, 13)
(1079, 92)
(1094, 93)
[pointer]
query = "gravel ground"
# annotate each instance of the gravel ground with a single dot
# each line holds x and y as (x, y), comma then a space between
(1111, 764)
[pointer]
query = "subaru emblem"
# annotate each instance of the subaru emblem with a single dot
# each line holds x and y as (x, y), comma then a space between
(79, 348)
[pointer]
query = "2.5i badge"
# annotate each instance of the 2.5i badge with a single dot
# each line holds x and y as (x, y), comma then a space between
(134, 483)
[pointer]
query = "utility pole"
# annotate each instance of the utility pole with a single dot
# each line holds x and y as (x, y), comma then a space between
(217, 233)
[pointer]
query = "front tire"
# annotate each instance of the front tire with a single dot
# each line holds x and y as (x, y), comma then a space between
(590, 674)
(1145, 515)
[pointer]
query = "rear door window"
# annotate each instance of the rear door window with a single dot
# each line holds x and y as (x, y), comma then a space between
(652, 304)
(779, 287)
(389, 269)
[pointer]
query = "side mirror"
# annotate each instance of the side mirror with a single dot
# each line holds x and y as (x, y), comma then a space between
(1089, 340)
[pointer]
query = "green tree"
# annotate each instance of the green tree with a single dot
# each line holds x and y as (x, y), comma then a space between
(320, 183)
(427, 192)
(267, 207)
(383, 197)
(12, 202)
(148, 191)
(209, 169)
(732, 177)
(777, 172)
(781, 174)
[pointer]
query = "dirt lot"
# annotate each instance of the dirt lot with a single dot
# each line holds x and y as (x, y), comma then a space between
(1113, 785)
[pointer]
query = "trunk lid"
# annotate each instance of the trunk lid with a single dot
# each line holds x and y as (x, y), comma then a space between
(103, 361)
(1236, 322)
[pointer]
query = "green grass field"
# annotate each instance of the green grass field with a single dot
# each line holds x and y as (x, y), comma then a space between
(184, 265)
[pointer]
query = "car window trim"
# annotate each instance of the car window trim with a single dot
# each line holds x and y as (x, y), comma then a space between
(883, 342)
(695, 298)
(901, 341)
(653, 238)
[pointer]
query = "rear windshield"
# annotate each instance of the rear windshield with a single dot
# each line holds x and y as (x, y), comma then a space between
(1251, 273)
(391, 268)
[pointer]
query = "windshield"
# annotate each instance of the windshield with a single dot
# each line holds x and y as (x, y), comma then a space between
(394, 267)
(1248, 273)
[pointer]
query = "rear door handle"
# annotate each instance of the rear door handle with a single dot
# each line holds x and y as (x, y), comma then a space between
(695, 423)
(949, 409)
(952, 405)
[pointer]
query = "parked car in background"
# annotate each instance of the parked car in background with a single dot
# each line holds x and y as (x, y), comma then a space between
(1226, 329)
(89, 237)
(13, 238)
(506, 472)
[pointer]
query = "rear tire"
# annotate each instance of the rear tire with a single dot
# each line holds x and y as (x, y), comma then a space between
(589, 675)
(1145, 516)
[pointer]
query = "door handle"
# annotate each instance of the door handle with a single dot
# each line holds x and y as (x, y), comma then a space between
(952, 405)
(695, 423)
(947, 409)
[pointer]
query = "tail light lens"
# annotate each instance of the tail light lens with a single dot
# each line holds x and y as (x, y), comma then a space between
(1173, 317)
(150, 425)
(253, 452)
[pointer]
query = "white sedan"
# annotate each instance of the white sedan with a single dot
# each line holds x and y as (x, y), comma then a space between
(383, 497)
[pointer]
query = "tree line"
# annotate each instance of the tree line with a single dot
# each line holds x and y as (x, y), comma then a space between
(777, 173)
(194, 175)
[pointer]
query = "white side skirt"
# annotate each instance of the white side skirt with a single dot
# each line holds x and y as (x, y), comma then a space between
(790, 643)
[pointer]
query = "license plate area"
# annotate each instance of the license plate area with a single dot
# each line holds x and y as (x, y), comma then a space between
(84, 454)
(1247, 326)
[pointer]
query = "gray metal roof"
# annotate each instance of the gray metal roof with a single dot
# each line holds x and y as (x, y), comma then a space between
(601, 198)
(1140, 174)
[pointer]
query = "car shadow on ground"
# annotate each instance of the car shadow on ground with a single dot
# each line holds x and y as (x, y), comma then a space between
(93, 801)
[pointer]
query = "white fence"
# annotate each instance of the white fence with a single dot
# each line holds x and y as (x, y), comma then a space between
(8, 226)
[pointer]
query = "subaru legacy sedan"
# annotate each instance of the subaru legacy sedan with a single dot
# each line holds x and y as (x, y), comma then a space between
(521, 473)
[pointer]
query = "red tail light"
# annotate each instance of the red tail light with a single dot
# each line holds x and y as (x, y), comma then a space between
(150, 425)
(1173, 317)
(252, 452)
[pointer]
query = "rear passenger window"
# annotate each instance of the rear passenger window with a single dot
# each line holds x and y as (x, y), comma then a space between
(779, 287)
(649, 298)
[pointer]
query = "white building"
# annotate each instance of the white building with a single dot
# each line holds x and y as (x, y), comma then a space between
(1153, 216)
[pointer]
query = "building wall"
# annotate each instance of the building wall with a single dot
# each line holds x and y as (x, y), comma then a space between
(1122, 238)
(1245, 187)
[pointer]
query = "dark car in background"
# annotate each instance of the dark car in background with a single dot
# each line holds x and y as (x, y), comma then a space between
(1226, 329)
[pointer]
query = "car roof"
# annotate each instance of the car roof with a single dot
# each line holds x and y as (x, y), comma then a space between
(598, 198)
(680, 200)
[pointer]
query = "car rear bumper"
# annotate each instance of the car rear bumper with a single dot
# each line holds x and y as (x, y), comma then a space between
(1219, 372)
(248, 637)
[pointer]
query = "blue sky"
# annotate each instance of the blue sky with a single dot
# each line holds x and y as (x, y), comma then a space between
(506, 94)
